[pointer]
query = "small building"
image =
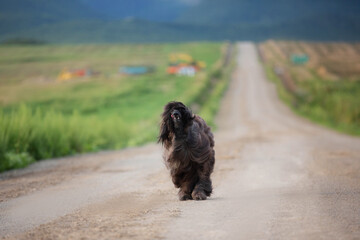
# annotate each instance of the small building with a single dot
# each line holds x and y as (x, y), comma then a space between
(299, 58)
(66, 75)
(184, 65)
(136, 70)
(187, 71)
(183, 70)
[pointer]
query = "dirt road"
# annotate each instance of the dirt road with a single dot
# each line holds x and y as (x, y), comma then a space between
(277, 177)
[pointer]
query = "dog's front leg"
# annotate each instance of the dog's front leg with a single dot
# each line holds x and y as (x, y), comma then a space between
(183, 196)
(203, 188)
(185, 190)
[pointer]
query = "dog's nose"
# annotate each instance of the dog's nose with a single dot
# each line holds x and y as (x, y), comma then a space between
(176, 114)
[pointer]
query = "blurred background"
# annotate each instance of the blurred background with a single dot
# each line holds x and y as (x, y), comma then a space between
(88, 75)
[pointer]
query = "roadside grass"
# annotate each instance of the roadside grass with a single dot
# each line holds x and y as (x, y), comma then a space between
(332, 103)
(42, 119)
(216, 89)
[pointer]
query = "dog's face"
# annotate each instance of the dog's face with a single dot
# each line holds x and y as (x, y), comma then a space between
(180, 116)
(175, 116)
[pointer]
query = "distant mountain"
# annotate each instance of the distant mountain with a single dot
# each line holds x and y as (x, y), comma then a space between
(18, 15)
(151, 10)
(103, 31)
(83, 21)
(265, 12)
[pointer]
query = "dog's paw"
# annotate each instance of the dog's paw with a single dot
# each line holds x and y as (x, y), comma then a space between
(184, 196)
(198, 196)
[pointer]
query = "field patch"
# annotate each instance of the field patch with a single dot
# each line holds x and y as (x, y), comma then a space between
(324, 85)
(42, 117)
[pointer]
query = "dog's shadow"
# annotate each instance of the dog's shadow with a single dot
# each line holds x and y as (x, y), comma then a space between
(207, 199)
(215, 199)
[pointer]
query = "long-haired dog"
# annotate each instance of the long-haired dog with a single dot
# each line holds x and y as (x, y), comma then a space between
(189, 151)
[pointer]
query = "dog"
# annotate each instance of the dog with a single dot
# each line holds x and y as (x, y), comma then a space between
(188, 151)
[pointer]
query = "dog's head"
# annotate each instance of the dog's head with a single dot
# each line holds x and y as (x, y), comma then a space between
(175, 116)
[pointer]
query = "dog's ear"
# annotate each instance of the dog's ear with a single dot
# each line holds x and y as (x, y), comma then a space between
(188, 116)
(165, 131)
(164, 137)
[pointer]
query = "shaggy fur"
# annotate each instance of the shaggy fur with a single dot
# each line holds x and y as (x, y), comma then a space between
(189, 151)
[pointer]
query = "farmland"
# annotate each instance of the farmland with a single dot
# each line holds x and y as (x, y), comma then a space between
(325, 87)
(42, 117)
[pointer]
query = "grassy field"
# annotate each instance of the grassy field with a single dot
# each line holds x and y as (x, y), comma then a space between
(326, 88)
(42, 118)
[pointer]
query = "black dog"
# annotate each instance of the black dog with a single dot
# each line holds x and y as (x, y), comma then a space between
(189, 151)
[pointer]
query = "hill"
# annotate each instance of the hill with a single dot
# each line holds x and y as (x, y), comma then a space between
(151, 10)
(265, 12)
(79, 21)
(17, 15)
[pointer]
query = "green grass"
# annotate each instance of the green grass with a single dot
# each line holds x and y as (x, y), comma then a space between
(210, 106)
(41, 118)
(335, 104)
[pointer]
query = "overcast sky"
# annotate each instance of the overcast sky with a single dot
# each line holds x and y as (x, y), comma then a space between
(188, 2)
